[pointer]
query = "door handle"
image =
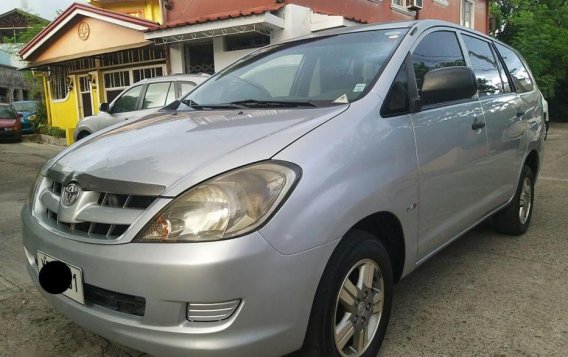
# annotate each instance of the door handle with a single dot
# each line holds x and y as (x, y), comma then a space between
(477, 124)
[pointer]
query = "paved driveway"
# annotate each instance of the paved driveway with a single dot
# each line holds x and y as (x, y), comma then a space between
(486, 294)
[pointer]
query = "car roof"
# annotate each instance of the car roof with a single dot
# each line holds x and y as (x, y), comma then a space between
(200, 77)
(420, 25)
(5, 104)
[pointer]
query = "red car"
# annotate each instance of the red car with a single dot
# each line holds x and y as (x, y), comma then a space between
(10, 125)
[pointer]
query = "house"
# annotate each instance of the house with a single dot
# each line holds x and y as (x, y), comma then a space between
(16, 22)
(206, 36)
(88, 55)
(14, 85)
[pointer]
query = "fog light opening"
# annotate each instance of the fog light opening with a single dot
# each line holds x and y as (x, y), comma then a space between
(211, 312)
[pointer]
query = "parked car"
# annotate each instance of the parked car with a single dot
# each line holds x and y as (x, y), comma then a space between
(140, 99)
(274, 209)
(28, 110)
(10, 125)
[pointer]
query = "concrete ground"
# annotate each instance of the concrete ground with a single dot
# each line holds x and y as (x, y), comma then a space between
(486, 294)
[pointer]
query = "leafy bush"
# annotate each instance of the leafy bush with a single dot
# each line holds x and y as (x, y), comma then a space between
(54, 131)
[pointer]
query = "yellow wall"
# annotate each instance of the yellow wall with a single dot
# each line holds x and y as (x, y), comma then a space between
(150, 8)
(64, 112)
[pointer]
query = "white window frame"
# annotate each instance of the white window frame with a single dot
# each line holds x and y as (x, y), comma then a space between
(462, 8)
(131, 76)
(400, 6)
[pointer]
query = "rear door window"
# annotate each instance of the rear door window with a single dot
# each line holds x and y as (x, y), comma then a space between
(484, 65)
(521, 77)
(437, 50)
(156, 95)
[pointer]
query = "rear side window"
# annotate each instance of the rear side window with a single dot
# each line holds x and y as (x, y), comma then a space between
(436, 50)
(484, 65)
(521, 77)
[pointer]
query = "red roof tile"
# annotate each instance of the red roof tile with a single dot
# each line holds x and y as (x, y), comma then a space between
(184, 13)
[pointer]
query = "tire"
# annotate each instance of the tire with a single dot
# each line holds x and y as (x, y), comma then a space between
(516, 217)
(369, 309)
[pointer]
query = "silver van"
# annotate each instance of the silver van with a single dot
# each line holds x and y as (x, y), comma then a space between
(140, 99)
(274, 209)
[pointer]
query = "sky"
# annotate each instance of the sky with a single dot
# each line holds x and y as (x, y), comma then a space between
(44, 8)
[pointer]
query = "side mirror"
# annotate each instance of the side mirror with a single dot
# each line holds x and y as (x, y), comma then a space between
(448, 84)
(104, 107)
(19, 116)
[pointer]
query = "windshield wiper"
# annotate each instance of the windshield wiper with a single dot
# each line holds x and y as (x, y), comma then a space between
(253, 103)
(190, 103)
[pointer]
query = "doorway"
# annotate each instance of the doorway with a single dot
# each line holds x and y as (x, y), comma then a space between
(85, 99)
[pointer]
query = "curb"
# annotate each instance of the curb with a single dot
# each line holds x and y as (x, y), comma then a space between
(44, 139)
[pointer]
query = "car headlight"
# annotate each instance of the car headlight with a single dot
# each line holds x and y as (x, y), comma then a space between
(32, 117)
(227, 206)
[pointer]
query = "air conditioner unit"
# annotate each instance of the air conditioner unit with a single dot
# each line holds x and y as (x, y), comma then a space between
(414, 5)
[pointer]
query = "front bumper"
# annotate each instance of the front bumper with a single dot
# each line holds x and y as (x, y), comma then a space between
(12, 133)
(276, 291)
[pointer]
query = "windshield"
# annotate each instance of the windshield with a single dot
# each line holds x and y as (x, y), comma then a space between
(25, 106)
(312, 72)
(6, 112)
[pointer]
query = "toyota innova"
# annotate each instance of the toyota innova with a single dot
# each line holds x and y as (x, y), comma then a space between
(273, 208)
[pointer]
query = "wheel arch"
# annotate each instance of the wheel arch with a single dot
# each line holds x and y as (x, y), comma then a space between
(386, 227)
(533, 162)
(82, 134)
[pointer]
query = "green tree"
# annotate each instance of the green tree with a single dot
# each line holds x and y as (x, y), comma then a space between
(538, 29)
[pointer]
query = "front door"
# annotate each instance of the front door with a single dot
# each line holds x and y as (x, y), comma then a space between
(85, 99)
(451, 154)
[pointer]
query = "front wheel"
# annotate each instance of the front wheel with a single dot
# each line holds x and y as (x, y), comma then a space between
(353, 301)
(515, 218)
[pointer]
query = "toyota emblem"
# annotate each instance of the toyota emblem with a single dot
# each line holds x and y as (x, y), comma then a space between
(70, 194)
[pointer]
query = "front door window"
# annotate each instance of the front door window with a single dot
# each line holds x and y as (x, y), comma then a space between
(128, 101)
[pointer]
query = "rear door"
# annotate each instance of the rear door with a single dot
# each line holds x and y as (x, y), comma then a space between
(505, 127)
(451, 154)
(529, 117)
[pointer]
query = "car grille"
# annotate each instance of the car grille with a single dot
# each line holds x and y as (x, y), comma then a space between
(102, 215)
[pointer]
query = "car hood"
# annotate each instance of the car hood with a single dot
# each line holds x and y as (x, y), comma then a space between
(177, 150)
(25, 114)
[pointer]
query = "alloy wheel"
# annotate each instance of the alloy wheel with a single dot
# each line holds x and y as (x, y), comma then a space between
(358, 308)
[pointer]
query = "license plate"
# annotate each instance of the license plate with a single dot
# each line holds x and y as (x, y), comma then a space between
(75, 290)
(8, 129)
